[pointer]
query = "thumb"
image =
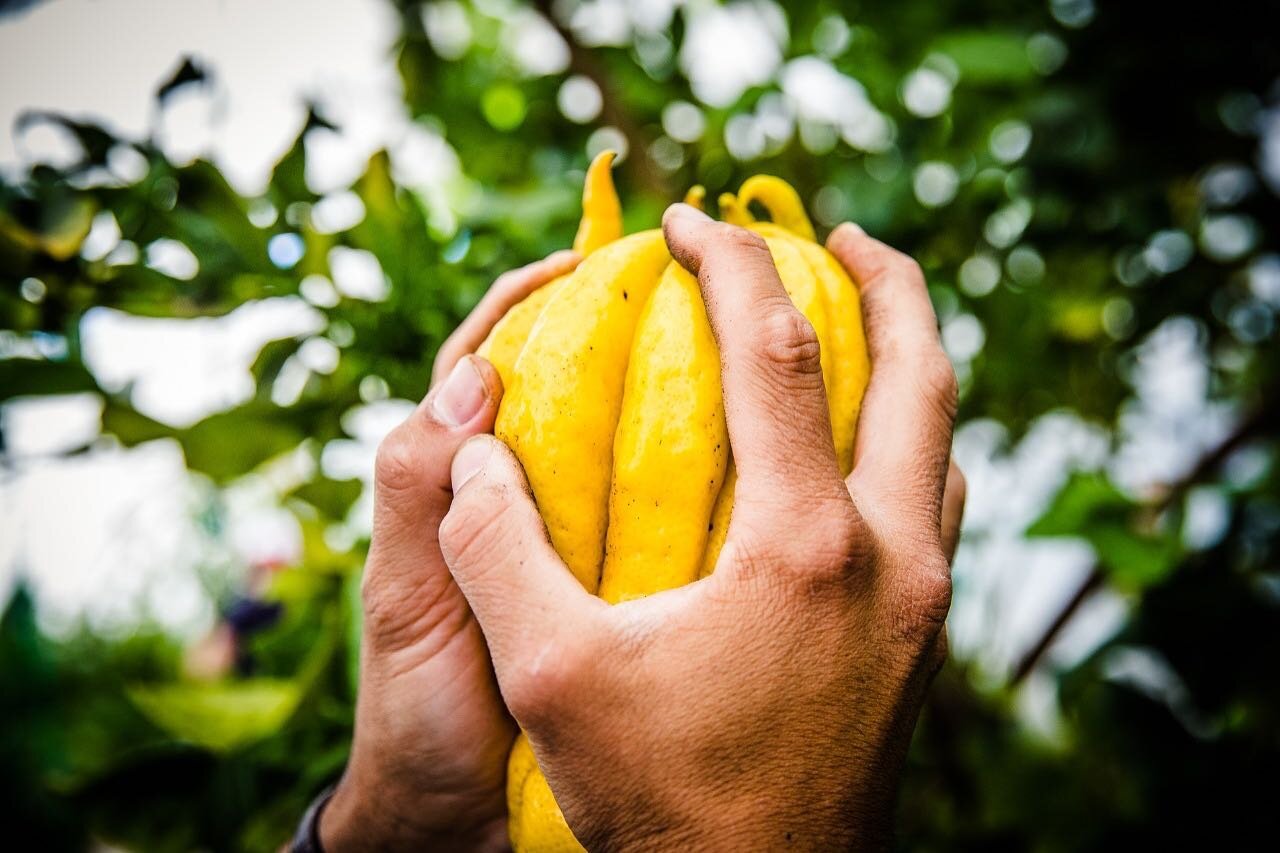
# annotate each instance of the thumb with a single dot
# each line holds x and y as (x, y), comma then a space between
(495, 543)
(406, 586)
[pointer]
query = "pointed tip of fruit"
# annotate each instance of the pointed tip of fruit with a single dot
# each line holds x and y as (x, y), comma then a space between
(601, 209)
(696, 197)
(603, 160)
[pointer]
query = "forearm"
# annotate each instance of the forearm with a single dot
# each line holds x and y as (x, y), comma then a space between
(362, 816)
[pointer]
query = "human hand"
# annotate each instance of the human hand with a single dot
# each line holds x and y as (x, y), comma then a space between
(429, 756)
(770, 704)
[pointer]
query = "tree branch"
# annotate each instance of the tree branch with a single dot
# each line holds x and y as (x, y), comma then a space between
(1033, 655)
(613, 110)
(1258, 423)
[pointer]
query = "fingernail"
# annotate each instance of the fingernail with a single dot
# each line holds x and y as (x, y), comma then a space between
(468, 461)
(462, 395)
(684, 211)
(853, 227)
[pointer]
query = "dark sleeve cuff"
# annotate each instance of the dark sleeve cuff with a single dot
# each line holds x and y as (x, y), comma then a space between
(306, 839)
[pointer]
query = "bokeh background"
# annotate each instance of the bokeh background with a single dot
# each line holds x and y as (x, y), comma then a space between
(232, 236)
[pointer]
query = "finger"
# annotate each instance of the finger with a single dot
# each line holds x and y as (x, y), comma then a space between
(529, 605)
(406, 582)
(904, 429)
(509, 289)
(953, 498)
(774, 399)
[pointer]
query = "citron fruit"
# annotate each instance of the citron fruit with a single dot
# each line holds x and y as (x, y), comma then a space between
(613, 406)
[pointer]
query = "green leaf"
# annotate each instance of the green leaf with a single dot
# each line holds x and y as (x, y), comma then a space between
(988, 56)
(225, 445)
(63, 224)
(271, 358)
(219, 717)
(1132, 560)
(95, 140)
(21, 377)
(130, 426)
(1085, 497)
(1089, 507)
(331, 497)
(354, 610)
(229, 444)
(504, 106)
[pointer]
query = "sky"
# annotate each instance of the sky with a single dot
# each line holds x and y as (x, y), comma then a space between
(113, 537)
(104, 59)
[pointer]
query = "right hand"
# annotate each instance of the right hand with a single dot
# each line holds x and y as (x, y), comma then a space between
(770, 704)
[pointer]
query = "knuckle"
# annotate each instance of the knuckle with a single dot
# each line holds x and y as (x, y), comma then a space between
(824, 551)
(821, 548)
(388, 623)
(740, 239)
(545, 681)
(378, 605)
(925, 600)
(471, 529)
(834, 546)
(400, 460)
(890, 265)
(789, 342)
(904, 267)
(754, 554)
(941, 389)
(735, 252)
(843, 534)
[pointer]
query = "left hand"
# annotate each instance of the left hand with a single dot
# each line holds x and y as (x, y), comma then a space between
(429, 757)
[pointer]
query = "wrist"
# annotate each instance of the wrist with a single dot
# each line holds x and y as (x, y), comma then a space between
(372, 817)
(765, 823)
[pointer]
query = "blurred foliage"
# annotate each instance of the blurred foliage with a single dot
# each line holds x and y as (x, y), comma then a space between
(1070, 177)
